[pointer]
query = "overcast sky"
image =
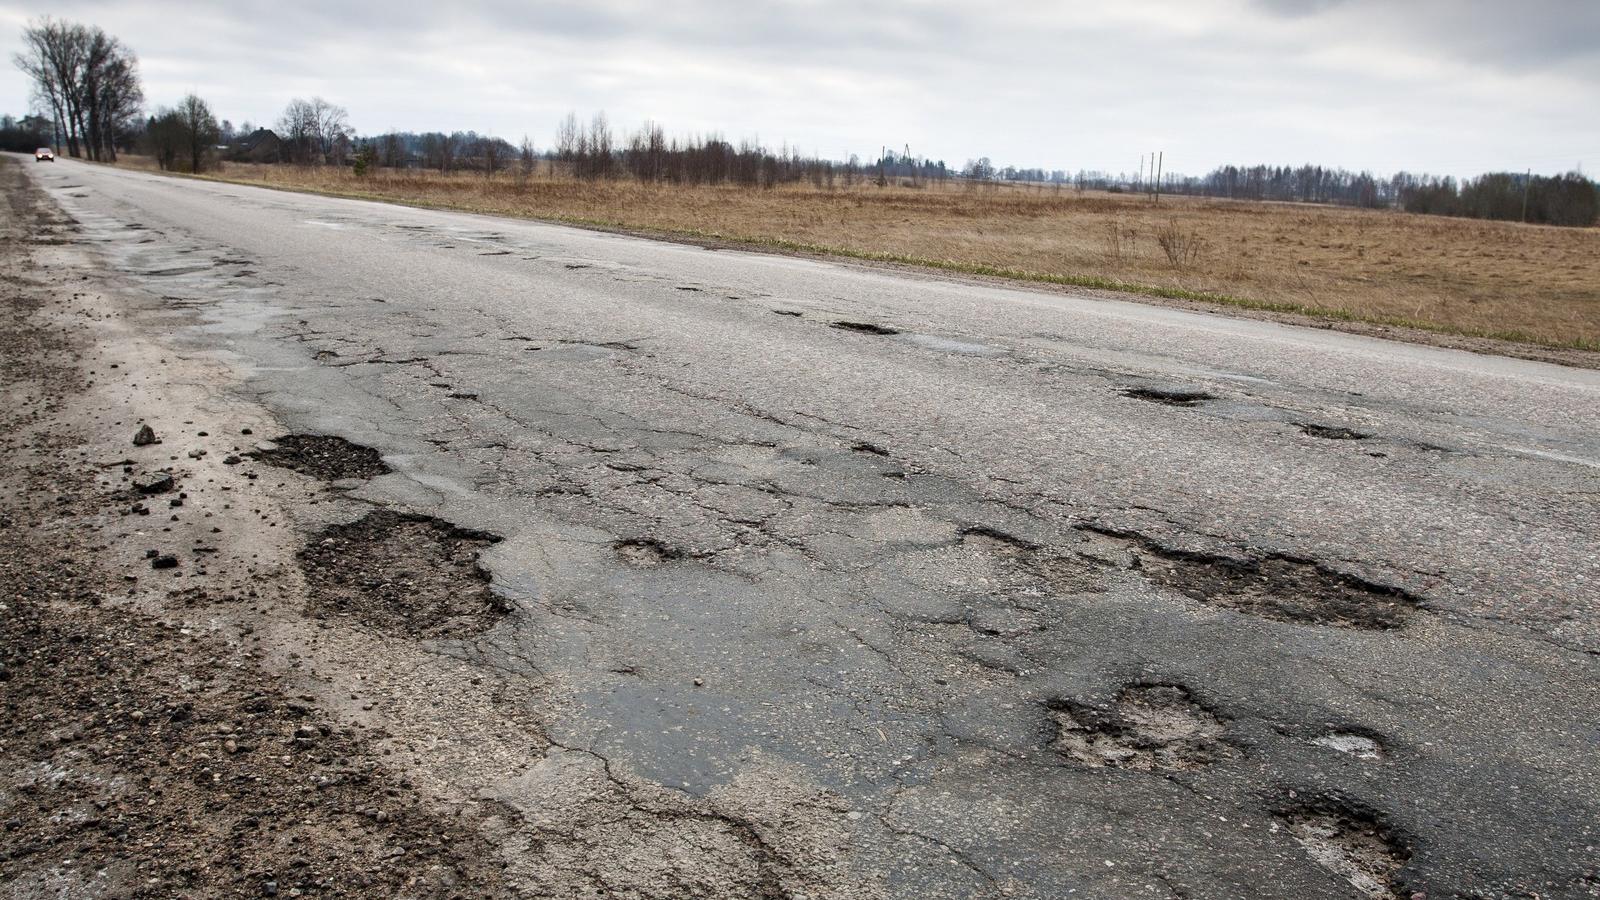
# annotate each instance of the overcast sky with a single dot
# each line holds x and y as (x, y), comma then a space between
(1448, 86)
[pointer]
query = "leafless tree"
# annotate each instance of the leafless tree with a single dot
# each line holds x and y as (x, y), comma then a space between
(489, 150)
(568, 136)
(200, 131)
(86, 79)
(393, 152)
(525, 160)
(315, 131)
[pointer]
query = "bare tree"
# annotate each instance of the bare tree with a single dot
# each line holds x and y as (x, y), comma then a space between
(525, 160)
(568, 136)
(393, 154)
(111, 95)
(599, 145)
(86, 79)
(316, 131)
(489, 149)
(200, 131)
(53, 57)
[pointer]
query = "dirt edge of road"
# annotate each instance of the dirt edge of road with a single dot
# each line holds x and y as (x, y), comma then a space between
(1487, 346)
(143, 754)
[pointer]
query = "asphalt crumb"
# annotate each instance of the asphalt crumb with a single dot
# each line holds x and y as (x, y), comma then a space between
(402, 573)
(1169, 397)
(323, 456)
(865, 327)
(1351, 843)
(1147, 728)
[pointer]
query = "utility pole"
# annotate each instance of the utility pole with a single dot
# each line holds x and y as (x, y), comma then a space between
(1526, 181)
(1139, 185)
(1160, 162)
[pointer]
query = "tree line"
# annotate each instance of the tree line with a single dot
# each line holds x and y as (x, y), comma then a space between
(1569, 199)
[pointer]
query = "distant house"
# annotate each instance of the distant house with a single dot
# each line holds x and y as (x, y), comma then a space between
(262, 145)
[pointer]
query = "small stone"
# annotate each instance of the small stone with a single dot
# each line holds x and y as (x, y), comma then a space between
(270, 889)
(153, 482)
(699, 682)
(164, 561)
(145, 435)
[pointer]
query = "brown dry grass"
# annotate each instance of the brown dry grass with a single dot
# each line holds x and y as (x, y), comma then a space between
(1525, 283)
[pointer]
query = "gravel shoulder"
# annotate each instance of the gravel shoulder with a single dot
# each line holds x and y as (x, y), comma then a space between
(146, 750)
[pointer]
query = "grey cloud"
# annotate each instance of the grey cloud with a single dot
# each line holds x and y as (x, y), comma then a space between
(1032, 83)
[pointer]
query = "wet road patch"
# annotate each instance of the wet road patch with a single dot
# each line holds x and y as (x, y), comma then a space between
(1169, 397)
(865, 328)
(323, 456)
(402, 573)
(1149, 728)
(1278, 587)
(1352, 844)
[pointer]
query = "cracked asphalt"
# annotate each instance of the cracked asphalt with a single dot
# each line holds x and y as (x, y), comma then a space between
(1009, 593)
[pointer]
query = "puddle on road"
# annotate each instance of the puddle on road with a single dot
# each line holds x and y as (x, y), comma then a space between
(1150, 727)
(404, 574)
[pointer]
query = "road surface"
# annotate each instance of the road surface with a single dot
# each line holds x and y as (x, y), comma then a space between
(907, 586)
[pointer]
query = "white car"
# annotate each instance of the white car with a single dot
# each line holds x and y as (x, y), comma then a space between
(44, 154)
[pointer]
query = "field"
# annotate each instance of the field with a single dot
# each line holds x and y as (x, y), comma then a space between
(1530, 284)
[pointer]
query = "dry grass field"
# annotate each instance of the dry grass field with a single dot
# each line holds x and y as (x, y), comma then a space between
(1531, 284)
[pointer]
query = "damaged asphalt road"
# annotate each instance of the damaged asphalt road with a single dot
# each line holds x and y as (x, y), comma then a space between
(677, 572)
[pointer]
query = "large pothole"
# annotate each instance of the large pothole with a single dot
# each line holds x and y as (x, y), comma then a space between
(402, 573)
(1148, 728)
(1279, 587)
(323, 456)
(1350, 843)
(1169, 397)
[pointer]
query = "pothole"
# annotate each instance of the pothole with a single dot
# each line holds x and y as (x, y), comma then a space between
(403, 573)
(323, 456)
(1351, 844)
(1359, 746)
(645, 552)
(1278, 587)
(1169, 397)
(1332, 432)
(865, 327)
(1148, 728)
